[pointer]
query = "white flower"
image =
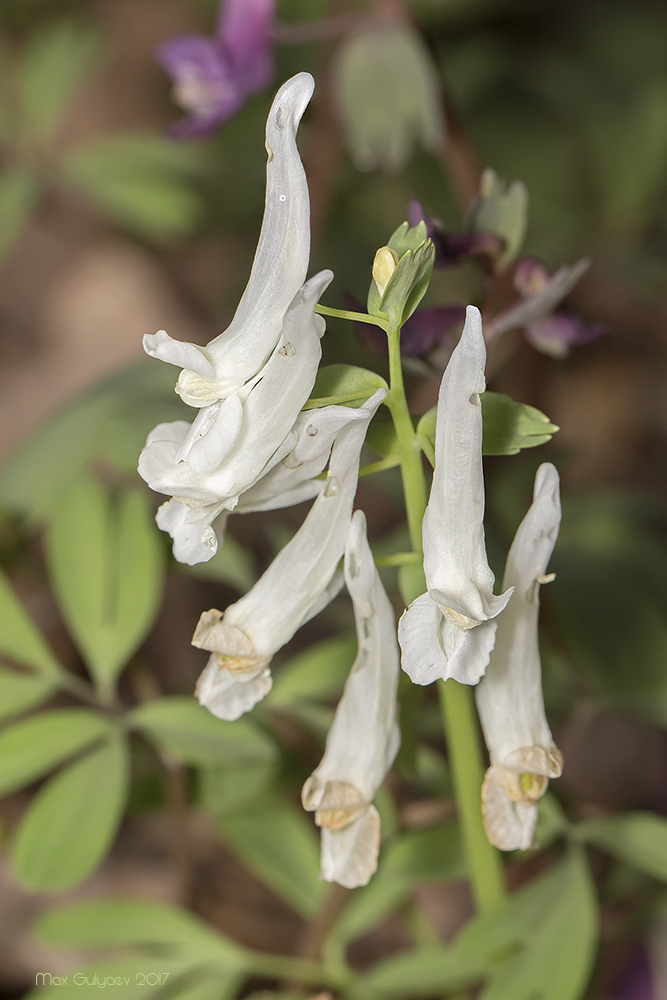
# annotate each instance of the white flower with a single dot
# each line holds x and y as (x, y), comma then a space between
(450, 630)
(208, 465)
(300, 581)
(509, 696)
(364, 736)
(279, 270)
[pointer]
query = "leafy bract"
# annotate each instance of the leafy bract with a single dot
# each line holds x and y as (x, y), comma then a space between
(20, 639)
(344, 384)
(106, 567)
(72, 821)
(140, 180)
(639, 839)
(182, 727)
(110, 423)
(508, 426)
(32, 748)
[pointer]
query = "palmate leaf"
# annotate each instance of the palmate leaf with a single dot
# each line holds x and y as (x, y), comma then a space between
(72, 821)
(106, 568)
(20, 639)
(21, 691)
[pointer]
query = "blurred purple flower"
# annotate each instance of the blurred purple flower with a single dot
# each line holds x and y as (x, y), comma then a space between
(213, 77)
(636, 980)
(453, 248)
(426, 329)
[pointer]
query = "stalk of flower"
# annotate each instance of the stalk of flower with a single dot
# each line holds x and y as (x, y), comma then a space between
(449, 631)
(206, 466)
(300, 581)
(364, 735)
(509, 696)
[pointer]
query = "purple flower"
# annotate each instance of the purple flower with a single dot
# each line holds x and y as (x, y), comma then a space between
(453, 248)
(213, 77)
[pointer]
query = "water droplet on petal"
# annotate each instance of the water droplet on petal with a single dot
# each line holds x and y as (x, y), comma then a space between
(331, 487)
(287, 350)
(283, 197)
(311, 430)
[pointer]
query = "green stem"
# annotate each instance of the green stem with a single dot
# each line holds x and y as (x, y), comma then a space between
(486, 871)
(356, 317)
(459, 718)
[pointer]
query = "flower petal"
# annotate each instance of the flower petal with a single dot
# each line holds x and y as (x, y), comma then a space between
(509, 825)
(432, 647)
(228, 696)
(350, 855)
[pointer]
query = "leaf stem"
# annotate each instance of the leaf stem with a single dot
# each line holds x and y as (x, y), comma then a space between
(355, 317)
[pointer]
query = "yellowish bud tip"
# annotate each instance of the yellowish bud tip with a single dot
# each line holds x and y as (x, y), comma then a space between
(384, 265)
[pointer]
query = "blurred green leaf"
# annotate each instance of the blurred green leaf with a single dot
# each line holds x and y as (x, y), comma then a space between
(280, 846)
(53, 67)
(72, 821)
(19, 194)
(189, 731)
(319, 673)
(20, 691)
(227, 789)
(140, 180)
(639, 839)
(501, 210)
(106, 566)
(420, 973)
(31, 748)
(109, 422)
(20, 639)
(231, 564)
(110, 923)
(388, 93)
(345, 384)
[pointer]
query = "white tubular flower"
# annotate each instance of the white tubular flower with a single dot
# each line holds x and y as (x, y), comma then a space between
(208, 465)
(279, 270)
(364, 736)
(450, 630)
(300, 581)
(509, 697)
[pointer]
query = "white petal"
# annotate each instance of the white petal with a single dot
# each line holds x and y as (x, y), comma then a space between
(455, 561)
(195, 540)
(509, 825)
(433, 647)
(212, 435)
(278, 271)
(350, 855)
(509, 698)
(227, 695)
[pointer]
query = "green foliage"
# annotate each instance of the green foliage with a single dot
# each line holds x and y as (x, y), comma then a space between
(231, 564)
(21, 691)
(142, 181)
(345, 384)
(52, 68)
(503, 211)
(106, 567)
(70, 824)
(189, 732)
(319, 673)
(109, 423)
(639, 839)
(279, 845)
(508, 426)
(388, 93)
(20, 639)
(19, 193)
(408, 283)
(35, 746)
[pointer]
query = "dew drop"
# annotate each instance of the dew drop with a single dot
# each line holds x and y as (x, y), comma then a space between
(331, 487)
(474, 399)
(287, 350)
(283, 197)
(311, 430)
(280, 118)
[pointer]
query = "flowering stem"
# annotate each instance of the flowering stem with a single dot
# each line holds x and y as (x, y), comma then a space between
(486, 870)
(355, 317)
(458, 715)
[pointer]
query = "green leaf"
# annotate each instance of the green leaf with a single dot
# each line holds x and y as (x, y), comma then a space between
(19, 194)
(140, 180)
(110, 923)
(110, 422)
(189, 731)
(382, 438)
(420, 973)
(231, 564)
(279, 845)
(32, 748)
(19, 691)
(508, 426)
(106, 566)
(20, 639)
(53, 67)
(344, 384)
(501, 210)
(72, 821)
(317, 674)
(639, 839)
